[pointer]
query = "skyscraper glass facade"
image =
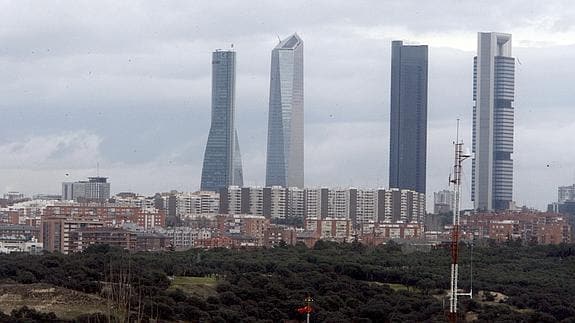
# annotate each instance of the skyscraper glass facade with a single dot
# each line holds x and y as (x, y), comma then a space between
(222, 161)
(408, 128)
(285, 152)
(493, 122)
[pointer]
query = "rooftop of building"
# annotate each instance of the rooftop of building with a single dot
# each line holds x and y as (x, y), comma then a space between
(21, 227)
(290, 42)
(401, 43)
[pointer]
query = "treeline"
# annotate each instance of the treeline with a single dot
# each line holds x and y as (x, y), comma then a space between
(349, 282)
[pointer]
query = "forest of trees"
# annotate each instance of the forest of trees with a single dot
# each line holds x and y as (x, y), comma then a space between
(348, 282)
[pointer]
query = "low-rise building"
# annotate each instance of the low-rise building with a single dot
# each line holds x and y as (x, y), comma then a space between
(59, 234)
(152, 241)
(116, 237)
(182, 238)
(26, 232)
(378, 233)
(333, 229)
(443, 201)
(243, 226)
(214, 242)
(279, 234)
(14, 244)
(111, 214)
(530, 227)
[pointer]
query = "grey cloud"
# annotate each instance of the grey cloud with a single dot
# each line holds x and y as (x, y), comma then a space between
(136, 75)
(83, 27)
(44, 152)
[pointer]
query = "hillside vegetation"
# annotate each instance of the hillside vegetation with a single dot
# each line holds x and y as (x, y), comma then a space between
(348, 282)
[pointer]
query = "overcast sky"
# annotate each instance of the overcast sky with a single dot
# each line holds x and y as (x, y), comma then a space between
(126, 84)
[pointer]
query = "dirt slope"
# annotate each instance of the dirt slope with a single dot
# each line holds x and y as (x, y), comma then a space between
(65, 303)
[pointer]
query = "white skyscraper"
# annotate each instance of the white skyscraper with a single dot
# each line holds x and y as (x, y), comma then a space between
(285, 161)
(493, 113)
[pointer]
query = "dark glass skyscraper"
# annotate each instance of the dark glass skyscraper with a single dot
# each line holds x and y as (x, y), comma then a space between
(222, 161)
(408, 137)
(285, 163)
(493, 114)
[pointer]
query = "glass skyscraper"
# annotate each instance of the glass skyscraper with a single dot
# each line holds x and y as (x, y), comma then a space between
(408, 120)
(493, 113)
(285, 153)
(222, 161)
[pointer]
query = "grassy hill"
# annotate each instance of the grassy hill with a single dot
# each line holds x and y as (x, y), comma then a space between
(65, 303)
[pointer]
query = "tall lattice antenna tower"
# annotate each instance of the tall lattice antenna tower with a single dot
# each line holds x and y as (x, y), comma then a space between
(460, 156)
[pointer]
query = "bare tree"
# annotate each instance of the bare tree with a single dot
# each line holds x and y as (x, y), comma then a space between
(119, 291)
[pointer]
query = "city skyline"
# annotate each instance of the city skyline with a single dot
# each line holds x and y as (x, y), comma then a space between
(137, 99)
(285, 151)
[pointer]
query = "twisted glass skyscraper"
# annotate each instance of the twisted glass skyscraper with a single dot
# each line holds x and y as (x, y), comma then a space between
(493, 93)
(285, 161)
(222, 161)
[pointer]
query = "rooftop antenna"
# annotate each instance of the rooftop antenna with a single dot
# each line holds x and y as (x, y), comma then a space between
(97, 169)
(279, 39)
(460, 156)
